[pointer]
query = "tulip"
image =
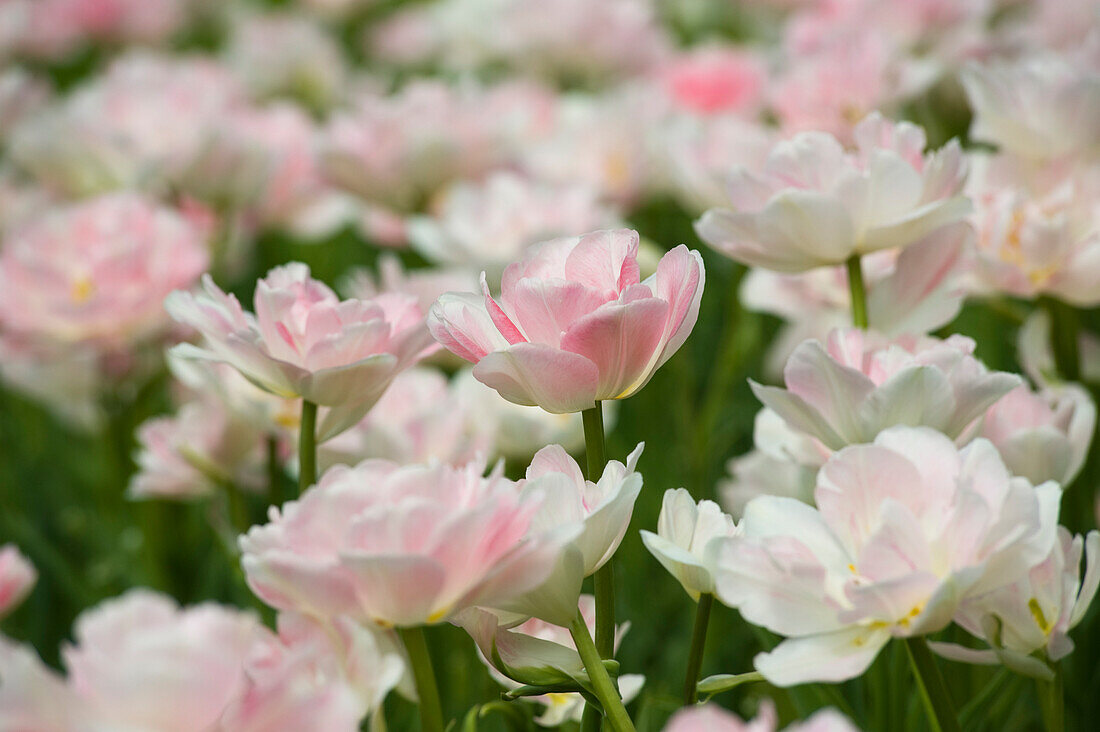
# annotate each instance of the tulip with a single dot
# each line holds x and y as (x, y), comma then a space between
(687, 540)
(574, 324)
(854, 386)
(905, 530)
(814, 204)
(713, 718)
(17, 578)
(304, 342)
(1042, 435)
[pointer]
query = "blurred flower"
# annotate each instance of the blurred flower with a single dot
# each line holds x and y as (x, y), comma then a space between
(904, 530)
(486, 225)
(714, 79)
(574, 324)
(308, 678)
(403, 546)
(1042, 435)
(856, 385)
(140, 662)
(195, 452)
(687, 540)
(17, 578)
(305, 342)
(97, 272)
(815, 204)
(1033, 613)
(916, 290)
(536, 646)
(21, 95)
(713, 718)
(426, 284)
(287, 55)
(1042, 106)
(1037, 358)
(1033, 242)
(139, 124)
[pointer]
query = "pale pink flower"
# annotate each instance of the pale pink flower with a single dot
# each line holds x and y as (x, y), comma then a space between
(537, 647)
(420, 418)
(305, 342)
(916, 290)
(574, 323)
(314, 677)
(195, 452)
(814, 204)
(1035, 612)
(904, 530)
(714, 79)
(17, 578)
(687, 540)
(488, 224)
(139, 124)
(284, 54)
(141, 662)
(849, 389)
(66, 378)
(21, 95)
(713, 718)
(1043, 106)
(1035, 236)
(403, 546)
(97, 272)
(1042, 435)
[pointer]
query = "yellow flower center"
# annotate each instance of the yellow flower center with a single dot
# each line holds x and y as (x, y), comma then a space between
(81, 289)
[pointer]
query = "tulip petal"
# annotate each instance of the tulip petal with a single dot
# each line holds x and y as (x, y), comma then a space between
(398, 590)
(829, 657)
(537, 375)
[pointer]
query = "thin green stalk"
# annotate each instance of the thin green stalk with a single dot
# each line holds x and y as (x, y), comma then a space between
(431, 712)
(698, 644)
(274, 472)
(859, 294)
(1052, 701)
(603, 581)
(937, 702)
(602, 685)
(307, 447)
(1065, 330)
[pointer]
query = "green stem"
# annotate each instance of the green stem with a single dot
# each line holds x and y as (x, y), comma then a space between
(1065, 327)
(603, 581)
(1052, 701)
(859, 294)
(431, 712)
(597, 674)
(937, 702)
(274, 472)
(307, 447)
(698, 644)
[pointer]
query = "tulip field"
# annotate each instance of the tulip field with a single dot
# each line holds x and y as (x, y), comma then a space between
(465, 365)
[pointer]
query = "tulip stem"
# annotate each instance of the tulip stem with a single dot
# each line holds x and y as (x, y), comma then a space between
(698, 644)
(602, 684)
(859, 294)
(431, 712)
(933, 689)
(1052, 701)
(1065, 326)
(307, 446)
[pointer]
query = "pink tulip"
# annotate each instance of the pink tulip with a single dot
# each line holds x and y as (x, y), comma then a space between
(857, 384)
(305, 342)
(713, 718)
(714, 79)
(815, 204)
(17, 578)
(905, 530)
(97, 272)
(574, 323)
(402, 546)
(687, 540)
(140, 662)
(1033, 614)
(1042, 435)
(1033, 344)
(313, 677)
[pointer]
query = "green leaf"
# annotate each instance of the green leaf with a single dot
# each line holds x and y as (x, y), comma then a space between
(718, 683)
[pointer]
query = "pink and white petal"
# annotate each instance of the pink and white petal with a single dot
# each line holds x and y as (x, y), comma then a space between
(540, 579)
(461, 324)
(920, 395)
(1090, 582)
(360, 382)
(834, 390)
(919, 223)
(605, 261)
(554, 459)
(962, 654)
(535, 375)
(798, 415)
(684, 566)
(545, 309)
(624, 343)
(736, 235)
(971, 400)
(605, 527)
(679, 281)
(923, 292)
(290, 582)
(829, 657)
(398, 590)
